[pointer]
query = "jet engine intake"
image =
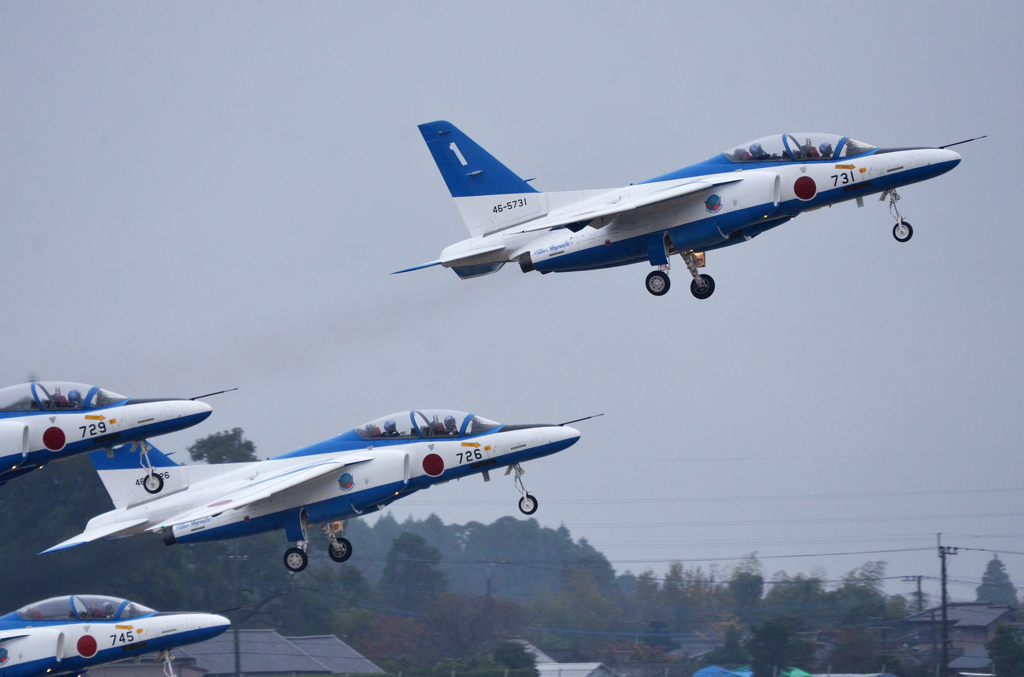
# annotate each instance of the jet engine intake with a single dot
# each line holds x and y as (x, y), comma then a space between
(13, 444)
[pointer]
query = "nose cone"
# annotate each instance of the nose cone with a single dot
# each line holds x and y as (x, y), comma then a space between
(200, 410)
(212, 624)
(564, 436)
(950, 156)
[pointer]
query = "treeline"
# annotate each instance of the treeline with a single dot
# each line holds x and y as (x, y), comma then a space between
(424, 597)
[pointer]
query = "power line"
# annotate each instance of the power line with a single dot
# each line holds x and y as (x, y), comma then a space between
(730, 499)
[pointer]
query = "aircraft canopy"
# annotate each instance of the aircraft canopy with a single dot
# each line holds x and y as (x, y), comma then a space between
(802, 147)
(82, 608)
(55, 396)
(425, 424)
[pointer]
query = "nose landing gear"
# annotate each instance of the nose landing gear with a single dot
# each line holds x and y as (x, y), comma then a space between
(902, 231)
(527, 503)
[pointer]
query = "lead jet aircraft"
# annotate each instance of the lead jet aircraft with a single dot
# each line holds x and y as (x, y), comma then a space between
(725, 200)
(46, 421)
(70, 634)
(352, 474)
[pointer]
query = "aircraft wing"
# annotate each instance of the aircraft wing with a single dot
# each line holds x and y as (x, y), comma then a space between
(96, 534)
(264, 488)
(616, 203)
(7, 638)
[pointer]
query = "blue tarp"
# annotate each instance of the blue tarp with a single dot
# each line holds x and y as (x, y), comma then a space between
(717, 671)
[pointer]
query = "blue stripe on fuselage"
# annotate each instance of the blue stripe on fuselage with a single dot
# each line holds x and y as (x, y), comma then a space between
(702, 235)
(356, 503)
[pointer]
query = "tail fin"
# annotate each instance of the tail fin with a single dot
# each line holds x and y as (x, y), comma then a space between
(475, 178)
(122, 472)
(468, 169)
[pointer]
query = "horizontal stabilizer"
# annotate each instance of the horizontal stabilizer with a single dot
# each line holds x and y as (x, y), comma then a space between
(419, 267)
(91, 535)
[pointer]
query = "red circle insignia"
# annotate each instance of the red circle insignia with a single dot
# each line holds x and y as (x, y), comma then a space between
(87, 646)
(433, 465)
(805, 188)
(54, 439)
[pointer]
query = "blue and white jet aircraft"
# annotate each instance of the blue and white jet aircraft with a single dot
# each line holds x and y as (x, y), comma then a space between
(48, 421)
(352, 474)
(722, 201)
(70, 634)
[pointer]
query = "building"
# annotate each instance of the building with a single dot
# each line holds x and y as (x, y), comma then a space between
(970, 625)
(260, 652)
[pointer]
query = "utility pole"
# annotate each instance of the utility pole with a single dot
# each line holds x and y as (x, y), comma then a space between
(943, 553)
(920, 595)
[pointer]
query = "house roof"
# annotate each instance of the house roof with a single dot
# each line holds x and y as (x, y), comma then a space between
(970, 615)
(538, 655)
(335, 654)
(266, 652)
(975, 659)
(573, 670)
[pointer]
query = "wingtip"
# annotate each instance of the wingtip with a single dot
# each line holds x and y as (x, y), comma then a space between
(419, 267)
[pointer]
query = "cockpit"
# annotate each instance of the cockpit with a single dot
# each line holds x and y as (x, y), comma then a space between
(83, 608)
(425, 424)
(802, 147)
(55, 396)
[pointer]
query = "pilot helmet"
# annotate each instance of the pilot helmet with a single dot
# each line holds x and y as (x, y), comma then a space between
(74, 396)
(825, 148)
(108, 608)
(390, 426)
(755, 149)
(449, 422)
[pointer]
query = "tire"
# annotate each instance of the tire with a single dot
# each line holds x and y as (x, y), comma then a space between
(658, 283)
(345, 548)
(153, 483)
(903, 231)
(295, 560)
(708, 290)
(528, 504)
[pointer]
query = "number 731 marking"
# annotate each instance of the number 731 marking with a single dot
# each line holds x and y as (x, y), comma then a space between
(843, 178)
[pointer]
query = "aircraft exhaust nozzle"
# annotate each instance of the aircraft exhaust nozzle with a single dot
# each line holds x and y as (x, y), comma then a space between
(526, 263)
(168, 537)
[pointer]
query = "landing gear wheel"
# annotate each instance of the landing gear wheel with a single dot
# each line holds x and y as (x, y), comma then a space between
(295, 560)
(153, 483)
(528, 504)
(902, 231)
(708, 290)
(658, 283)
(340, 552)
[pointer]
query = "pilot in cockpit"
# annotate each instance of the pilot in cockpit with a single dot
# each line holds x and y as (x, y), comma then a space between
(450, 426)
(390, 428)
(75, 399)
(757, 152)
(825, 150)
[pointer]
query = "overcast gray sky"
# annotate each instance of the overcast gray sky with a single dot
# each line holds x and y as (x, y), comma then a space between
(195, 196)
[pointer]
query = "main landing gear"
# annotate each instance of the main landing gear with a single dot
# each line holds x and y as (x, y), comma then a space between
(338, 549)
(902, 231)
(527, 503)
(702, 286)
(166, 657)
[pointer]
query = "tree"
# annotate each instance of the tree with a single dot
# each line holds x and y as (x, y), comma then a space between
(996, 587)
(514, 656)
(774, 644)
(1006, 650)
(411, 577)
(746, 587)
(732, 652)
(225, 447)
